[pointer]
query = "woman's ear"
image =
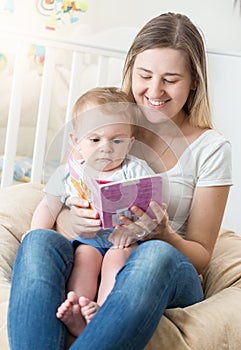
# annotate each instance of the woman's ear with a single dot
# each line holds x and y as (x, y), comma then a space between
(194, 84)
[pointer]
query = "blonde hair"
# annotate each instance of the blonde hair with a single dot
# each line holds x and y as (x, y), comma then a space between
(175, 31)
(111, 99)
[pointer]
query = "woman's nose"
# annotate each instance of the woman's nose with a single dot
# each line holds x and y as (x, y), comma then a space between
(156, 89)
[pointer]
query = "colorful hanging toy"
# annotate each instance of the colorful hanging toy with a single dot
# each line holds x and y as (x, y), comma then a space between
(37, 53)
(9, 5)
(58, 9)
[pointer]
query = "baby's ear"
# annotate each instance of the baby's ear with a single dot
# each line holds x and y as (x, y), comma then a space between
(73, 138)
(132, 139)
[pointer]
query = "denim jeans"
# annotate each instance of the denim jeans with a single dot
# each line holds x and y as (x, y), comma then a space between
(155, 277)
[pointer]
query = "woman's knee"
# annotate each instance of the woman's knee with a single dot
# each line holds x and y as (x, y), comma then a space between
(153, 259)
(156, 253)
(44, 244)
(45, 238)
(162, 259)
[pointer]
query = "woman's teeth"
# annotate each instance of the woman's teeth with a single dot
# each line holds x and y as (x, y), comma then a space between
(156, 103)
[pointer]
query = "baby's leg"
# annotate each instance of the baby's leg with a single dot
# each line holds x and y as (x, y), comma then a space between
(83, 281)
(114, 259)
(84, 276)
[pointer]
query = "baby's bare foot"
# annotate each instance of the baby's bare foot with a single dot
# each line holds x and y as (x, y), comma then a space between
(69, 312)
(88, 308)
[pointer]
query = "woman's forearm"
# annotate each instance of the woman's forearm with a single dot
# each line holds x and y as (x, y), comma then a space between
(195, 252)
(63, 224)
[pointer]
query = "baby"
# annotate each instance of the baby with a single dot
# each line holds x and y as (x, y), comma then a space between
(103, 134)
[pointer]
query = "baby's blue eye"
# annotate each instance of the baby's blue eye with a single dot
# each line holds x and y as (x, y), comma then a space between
(117, 141)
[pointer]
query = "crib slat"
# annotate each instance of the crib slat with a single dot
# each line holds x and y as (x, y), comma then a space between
(43, 116)
(102, 70)
(76, 73)
(14, 115)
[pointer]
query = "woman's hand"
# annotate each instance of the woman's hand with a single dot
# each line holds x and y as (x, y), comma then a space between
(79, 221)
(85, 221)
(144, 228)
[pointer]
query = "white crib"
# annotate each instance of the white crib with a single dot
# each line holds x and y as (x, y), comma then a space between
(100, 52)
(93, 61)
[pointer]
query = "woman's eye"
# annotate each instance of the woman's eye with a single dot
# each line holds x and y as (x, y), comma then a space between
(145, 76)
(169, 81)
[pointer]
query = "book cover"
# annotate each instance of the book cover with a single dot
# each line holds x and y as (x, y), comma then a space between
(113, 199)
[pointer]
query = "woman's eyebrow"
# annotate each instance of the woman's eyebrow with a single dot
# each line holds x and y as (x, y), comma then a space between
(167, 73)
(174, 74)
(144, 69)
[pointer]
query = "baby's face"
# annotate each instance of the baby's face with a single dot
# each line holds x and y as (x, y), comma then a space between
(105, 148)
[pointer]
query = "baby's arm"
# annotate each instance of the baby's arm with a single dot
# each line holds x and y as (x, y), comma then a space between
(46, 212)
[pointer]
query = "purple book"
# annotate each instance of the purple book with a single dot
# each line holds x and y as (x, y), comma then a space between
(113, 199)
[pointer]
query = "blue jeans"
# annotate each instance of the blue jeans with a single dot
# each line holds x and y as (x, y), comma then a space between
(155, 277)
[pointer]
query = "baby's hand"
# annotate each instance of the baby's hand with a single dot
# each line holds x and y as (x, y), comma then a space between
(122, 237)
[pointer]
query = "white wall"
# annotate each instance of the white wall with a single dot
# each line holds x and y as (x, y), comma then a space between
(219, 21)
(225, 84)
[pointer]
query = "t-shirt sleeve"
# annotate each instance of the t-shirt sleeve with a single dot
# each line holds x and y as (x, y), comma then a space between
(135, 167)
(215, 165)
(56, 183)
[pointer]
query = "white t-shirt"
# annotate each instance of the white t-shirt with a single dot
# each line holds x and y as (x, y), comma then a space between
(206, 162)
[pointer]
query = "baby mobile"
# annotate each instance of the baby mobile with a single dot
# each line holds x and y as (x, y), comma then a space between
(58, 11)
(9, 5)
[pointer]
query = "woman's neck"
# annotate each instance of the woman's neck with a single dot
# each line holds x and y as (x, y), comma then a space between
(163, 146)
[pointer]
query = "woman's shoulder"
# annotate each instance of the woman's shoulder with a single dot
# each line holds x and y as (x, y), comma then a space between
(212, 150)
(209, 137)
(211, 146)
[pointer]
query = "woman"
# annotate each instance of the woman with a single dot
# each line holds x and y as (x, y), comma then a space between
(164, 73)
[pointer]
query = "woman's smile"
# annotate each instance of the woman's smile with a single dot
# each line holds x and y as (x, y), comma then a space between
(154, 103)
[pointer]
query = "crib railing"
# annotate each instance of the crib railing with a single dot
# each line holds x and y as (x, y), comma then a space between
(103, 49)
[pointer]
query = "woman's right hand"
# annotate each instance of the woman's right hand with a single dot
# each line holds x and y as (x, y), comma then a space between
(79, 221)
(85, 221)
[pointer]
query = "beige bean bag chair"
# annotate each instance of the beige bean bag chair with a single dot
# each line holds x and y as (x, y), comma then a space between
(213, 324)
